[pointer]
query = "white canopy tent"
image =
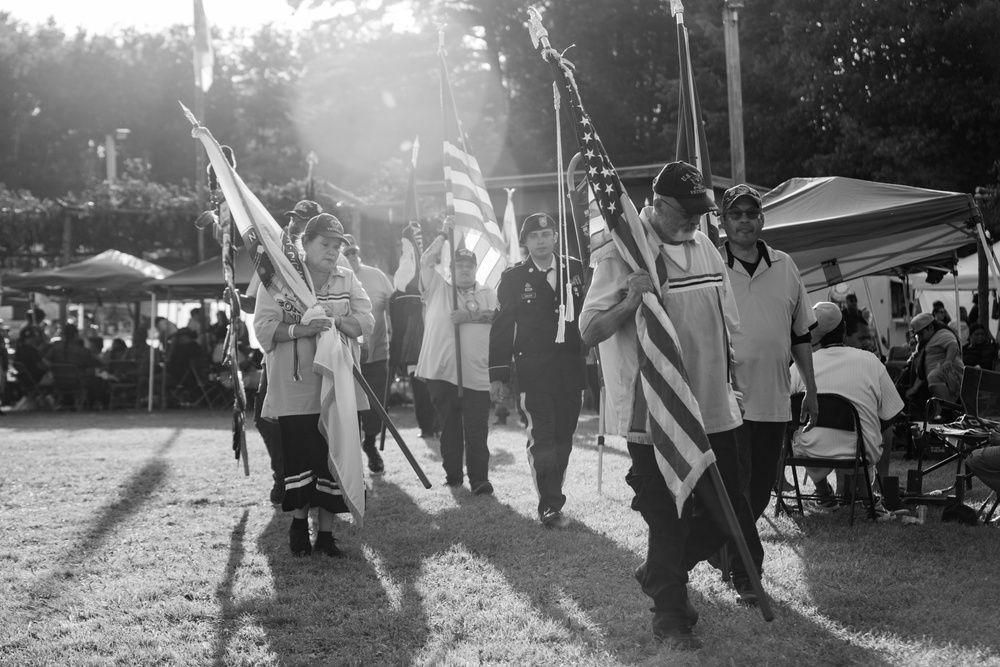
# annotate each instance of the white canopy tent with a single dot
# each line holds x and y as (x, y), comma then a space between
(839, 228)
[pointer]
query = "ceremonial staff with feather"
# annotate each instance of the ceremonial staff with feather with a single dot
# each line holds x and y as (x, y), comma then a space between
(278, 266)
(223, 228)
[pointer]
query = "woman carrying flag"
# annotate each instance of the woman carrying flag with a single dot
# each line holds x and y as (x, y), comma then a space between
(294, 388)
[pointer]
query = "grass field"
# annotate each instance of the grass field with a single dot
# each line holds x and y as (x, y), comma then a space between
(135, 539)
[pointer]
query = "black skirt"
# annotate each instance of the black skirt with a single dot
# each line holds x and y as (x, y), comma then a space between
(308, 482)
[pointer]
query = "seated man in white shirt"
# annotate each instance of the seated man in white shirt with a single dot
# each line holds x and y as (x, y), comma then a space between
(858, 376)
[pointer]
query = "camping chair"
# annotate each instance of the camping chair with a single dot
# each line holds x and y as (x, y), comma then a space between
(980, 396)
(68, 382)
(125, 387)
(835, 412)
(30, 389)
(212, 393)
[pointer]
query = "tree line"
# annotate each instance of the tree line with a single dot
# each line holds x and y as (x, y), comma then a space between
(902, 91)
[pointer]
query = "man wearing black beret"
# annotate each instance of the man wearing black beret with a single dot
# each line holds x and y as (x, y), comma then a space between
(550, 375)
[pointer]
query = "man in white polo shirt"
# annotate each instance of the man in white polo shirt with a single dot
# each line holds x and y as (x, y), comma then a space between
(775, 319)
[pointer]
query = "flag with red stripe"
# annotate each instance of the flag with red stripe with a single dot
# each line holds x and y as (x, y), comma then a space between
(679, 439)
(466, 196)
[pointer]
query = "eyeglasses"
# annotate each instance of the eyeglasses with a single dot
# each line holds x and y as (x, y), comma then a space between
(736, 214)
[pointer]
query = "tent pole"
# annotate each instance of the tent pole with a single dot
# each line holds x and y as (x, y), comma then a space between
(152, 352)
(874, 322)
(958, 318)
(163, 351)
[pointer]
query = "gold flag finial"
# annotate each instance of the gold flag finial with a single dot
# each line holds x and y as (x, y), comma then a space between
(676, 7)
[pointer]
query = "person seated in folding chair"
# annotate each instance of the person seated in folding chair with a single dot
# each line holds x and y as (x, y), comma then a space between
(72, 350)
(185, 349)
(982, 350)
(941, 367)
(858, 376)
(985, 464)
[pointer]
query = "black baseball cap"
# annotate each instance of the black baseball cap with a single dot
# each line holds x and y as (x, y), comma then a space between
(684, 183)
(326, 225)
(305, 210)
(465, 255)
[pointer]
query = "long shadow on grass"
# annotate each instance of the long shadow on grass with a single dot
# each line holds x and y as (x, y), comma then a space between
(346, 611)
(386, 603)
(585, 600)
(224, 591)
(132, 495)
(921, 583)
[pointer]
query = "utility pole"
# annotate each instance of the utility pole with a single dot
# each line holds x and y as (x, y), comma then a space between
(731, 32)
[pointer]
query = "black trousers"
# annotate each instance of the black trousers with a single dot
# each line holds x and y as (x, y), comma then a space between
(376, 375)
(677, 544)
(423, 406)
(464, 430)
(552, 419)
(764, 440)
(269, 431)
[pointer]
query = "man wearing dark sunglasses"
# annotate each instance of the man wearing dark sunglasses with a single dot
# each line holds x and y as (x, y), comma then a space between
(775, 320)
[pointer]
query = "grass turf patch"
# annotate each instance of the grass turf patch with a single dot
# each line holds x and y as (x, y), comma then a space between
(135, 539)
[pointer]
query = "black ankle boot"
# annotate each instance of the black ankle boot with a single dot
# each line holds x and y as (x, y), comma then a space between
(375, 463)
(298, 537)
(325, 544)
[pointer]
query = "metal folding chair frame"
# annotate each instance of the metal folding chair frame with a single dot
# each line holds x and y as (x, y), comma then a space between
(835, 411)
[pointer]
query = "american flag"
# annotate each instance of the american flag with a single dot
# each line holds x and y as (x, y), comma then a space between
(682, 448)
(466, 196)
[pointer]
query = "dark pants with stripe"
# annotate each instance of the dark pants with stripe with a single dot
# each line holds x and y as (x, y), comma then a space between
(552, 419)
(464, 430)
(677, 544)
(376, 375)
(269, 431)
(308, 482)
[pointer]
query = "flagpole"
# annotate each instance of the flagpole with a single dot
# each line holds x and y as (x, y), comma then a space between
(677, 9)
(377, 406)
(450, 210)
(414, 215)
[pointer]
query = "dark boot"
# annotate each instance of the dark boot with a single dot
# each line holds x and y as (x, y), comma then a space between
(298, 537)
(325, 544)
(375, 463)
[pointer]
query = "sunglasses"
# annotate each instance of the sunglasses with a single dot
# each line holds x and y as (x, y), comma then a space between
(735, 215)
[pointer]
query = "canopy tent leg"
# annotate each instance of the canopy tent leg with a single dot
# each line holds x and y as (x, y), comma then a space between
(874, 323)
(152, 352)
(958, 308)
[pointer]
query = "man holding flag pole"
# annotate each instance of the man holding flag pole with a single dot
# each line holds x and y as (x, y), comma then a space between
(661, 307)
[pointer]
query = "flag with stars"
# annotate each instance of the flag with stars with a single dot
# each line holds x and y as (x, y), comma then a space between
(683, 452)
(466, 197)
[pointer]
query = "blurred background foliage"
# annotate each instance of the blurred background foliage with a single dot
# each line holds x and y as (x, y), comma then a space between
(901, 91)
